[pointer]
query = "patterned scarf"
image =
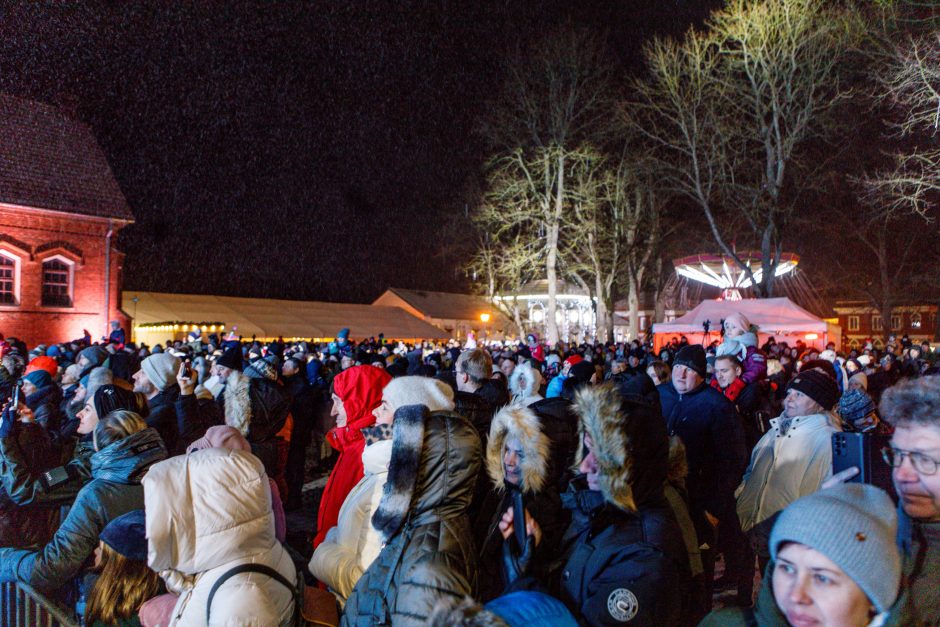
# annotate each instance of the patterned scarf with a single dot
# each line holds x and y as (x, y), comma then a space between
(376, 433)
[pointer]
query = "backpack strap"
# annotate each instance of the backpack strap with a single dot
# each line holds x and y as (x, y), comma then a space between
(249, 568)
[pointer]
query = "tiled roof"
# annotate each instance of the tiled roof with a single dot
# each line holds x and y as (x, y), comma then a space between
(51, 161)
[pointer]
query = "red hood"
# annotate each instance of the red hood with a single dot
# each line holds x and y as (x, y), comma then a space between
(360, 387)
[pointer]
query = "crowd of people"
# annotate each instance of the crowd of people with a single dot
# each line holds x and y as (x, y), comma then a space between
(510, 483)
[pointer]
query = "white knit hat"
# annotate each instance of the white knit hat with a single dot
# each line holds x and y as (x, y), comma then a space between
(433, 394)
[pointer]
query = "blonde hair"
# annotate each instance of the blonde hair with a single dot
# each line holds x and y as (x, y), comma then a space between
(121, 588)
(117, 425)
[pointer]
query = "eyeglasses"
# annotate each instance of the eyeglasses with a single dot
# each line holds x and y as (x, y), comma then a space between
(923, 464)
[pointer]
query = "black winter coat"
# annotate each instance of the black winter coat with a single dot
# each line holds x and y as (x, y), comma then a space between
(709, 427)
(620, 566)
(163, 418)
(21, 526)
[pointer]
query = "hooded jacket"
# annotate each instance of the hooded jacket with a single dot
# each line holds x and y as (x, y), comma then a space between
(422, 515)
(114, 489)
(622, 558)
(524, 384)
(538, 487)
(162, 417)
(351, 546)
(208, 512)
(360, 388)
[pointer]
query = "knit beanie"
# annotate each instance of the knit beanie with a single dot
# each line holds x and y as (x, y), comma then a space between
(47, 364)
(574, 359)
(231, 358)
(161, 369)
(433, 394)
(854, 406)
(818, 386)
(692, 356)
(94, 354)
(261, 369)
(854, 525)
(109, 398)
(343, 334)
(861, 377)
(126, 534)
(582, 371)
(829, 355)
(39, 378)
(221, 436)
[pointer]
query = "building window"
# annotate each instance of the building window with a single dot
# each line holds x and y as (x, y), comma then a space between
(876, 324)
(9, 278)
(56, 283)
(853, 323)
(896, 323)
(915, 321)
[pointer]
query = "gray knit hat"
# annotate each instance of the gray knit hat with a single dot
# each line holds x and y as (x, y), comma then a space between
(854, 525)
(161, 369)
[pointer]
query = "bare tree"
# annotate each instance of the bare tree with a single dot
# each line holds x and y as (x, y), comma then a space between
(884, 256)
(911, 86)
(726, 110)
(555, 97)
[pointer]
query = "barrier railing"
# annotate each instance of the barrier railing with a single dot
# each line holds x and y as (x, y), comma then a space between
(22, 606)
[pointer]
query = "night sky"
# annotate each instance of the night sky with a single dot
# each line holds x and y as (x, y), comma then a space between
(295, 150)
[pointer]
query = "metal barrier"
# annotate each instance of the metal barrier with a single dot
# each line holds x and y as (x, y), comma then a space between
(22, 606)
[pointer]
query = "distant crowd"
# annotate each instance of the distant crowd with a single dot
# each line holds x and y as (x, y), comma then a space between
(742, 482)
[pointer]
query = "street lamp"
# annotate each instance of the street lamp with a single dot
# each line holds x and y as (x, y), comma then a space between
(484, 318)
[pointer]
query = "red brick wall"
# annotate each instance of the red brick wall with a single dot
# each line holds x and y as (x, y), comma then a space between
(26, 233)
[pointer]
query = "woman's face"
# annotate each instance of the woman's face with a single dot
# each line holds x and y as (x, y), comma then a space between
(384, 413)
(88, 418)
(812, 591)
(589, 466)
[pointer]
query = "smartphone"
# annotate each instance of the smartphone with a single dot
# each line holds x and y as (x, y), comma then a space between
(518, 518)
(15, 402)
(852, 449)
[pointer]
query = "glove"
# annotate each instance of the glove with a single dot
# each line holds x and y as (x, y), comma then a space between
(7, 418)
(516, 564)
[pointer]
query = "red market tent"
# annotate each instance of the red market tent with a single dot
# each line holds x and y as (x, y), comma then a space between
(780, 318)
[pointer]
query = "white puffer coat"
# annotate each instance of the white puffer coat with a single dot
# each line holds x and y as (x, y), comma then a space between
(208, 512)
(353, 543)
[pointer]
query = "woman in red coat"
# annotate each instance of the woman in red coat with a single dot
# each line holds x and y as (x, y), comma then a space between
(356, 392)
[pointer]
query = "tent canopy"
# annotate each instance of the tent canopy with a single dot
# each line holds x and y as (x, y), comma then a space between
(269, 318)
(773, 316)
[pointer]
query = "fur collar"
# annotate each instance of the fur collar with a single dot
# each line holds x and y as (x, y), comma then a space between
(598, 408)
(238, 402)
(398, 492)
(522, 424)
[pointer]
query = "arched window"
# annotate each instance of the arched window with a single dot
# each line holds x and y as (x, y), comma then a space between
(57, 282)
(915, 321)
(9, 278)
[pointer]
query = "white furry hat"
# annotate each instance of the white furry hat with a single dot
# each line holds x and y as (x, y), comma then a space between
(829, 355)
(433, 394)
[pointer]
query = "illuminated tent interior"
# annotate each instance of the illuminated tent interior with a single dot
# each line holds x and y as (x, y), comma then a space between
(778, 317)
(159, 316)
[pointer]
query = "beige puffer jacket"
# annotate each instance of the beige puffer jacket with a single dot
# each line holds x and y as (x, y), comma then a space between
(208, 512)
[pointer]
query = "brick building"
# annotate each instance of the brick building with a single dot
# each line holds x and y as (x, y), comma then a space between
(60, 210)
(860, 321)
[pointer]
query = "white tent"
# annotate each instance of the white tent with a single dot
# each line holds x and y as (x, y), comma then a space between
(169, 316)
(773, 317)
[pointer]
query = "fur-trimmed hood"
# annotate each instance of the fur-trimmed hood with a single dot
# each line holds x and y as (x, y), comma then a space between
(630, 445)
(524, 425)
(436, 458)
(524, 384)
(238, 402)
